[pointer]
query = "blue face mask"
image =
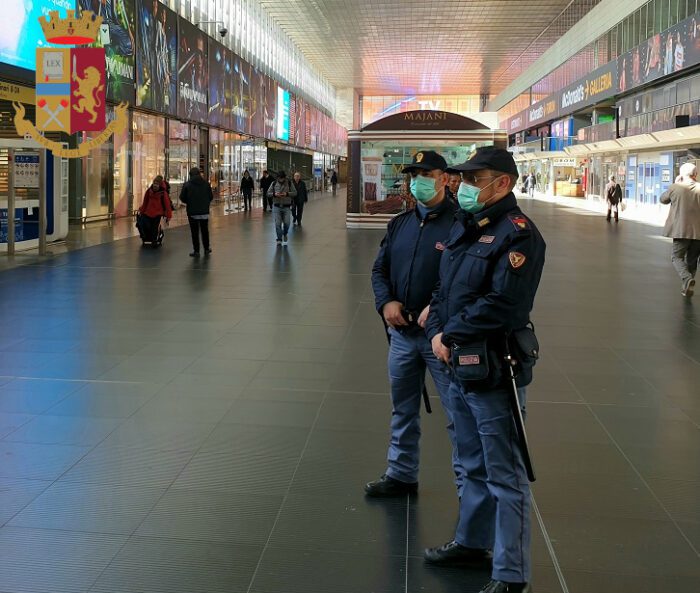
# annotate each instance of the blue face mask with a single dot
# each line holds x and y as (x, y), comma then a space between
(468, 198)
(423, 188)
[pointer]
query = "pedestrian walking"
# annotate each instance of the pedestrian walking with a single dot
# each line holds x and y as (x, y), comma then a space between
(197, 195)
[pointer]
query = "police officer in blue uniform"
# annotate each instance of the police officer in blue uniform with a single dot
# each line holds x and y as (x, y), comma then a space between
(404, 276)
(489, 274)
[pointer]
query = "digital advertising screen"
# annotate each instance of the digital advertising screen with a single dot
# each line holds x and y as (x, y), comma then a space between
(241, 95)
(156, 57)
(19, 41)
(270, 108)
(300, 127)
(219, 62)
(282, 114)
(662, 54)
(257, 103)
(118, 37)
(192, 72)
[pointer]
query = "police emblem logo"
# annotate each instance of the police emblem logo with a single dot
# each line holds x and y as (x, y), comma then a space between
(469, 359)
(419, 157)
(519, 222)
(487, 239)
(472, 154)
(516, 259)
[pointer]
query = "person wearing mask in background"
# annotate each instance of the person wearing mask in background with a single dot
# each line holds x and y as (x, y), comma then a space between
(404, 276)
(282, 193)
(247, 186)
(156, 205)
(265, 181)
(613, 196)
(683, 225)
(334, 181)
(197, 195)
(301, 198)
(453, 181)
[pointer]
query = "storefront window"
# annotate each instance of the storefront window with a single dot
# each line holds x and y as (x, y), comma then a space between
(120, 175)
(97, 173)
(216, 174)
(260, 159)
(178, 156)
(149, 152)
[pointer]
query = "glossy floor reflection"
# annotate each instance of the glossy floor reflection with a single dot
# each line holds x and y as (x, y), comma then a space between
(170, 424)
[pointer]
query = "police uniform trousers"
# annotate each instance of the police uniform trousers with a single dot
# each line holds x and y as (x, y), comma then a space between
(494, 510)
(410, 353)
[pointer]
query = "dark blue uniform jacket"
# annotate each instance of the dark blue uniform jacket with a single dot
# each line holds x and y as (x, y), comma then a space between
(406, 269)
(489, 275)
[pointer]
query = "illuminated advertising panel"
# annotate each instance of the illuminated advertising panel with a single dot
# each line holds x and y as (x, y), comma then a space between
(282, 114)
(192, 72)
(117, 36)
(156, 57)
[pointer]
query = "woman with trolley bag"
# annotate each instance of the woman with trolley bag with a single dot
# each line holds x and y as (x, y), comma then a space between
(149, 220)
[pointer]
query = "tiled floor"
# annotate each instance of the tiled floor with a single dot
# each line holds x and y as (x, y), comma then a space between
(179, 425)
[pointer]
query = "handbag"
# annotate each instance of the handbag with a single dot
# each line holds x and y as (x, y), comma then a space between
(623, 206)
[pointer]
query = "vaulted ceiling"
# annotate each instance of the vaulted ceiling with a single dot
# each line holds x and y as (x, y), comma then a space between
(386, 47)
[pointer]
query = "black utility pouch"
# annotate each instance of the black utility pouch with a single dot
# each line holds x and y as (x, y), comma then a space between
(470, 362)
(525, 349)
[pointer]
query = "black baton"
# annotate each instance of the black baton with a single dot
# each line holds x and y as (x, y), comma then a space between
(518, 415)
(426, 397)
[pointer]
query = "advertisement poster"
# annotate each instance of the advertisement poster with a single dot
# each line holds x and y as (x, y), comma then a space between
(156, 57)
(118, 37)
(270, 108)
(292, 117)
(219, 62)
(282, 114)
(19, 41)
(673, 50)
(241, 95)
(257, 103)
(371, 169)
(192, 72)
(300, 127)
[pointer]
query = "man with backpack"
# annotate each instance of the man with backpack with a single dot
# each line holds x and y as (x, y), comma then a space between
(613, 196)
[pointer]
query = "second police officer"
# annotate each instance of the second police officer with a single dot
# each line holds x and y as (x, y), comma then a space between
(404, 276)
(489, 274)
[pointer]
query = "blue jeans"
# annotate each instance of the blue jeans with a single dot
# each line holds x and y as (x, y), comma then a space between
(409, 355)
(494, 510)
(283, 217)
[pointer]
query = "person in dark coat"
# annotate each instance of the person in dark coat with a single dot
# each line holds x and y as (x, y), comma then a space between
(265, 182)
(197, 195)
(301, 198)
(334, 181)
(156, 205)
(247, 186)
(613, 196)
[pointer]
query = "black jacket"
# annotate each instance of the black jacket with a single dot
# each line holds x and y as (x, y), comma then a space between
(406, 268)
(265, 183)
(302, 193)
(247, 184)
(197, 194)
(489, 274)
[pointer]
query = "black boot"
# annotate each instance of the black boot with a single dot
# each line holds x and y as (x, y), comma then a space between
(454, 554)
(386, 487)
(502, 587)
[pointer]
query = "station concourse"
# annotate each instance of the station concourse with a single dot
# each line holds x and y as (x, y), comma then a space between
(197, 394)
(170, 424)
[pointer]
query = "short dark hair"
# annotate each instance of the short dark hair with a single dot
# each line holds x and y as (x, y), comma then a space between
(281, 174)
(194, 172)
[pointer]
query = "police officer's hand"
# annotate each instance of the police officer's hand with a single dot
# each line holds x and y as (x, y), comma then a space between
(423, 317)
(392, 314)
(441, 351)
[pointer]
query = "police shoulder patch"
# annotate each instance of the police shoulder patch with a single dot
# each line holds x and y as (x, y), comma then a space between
(516, 259)
(520, 222)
